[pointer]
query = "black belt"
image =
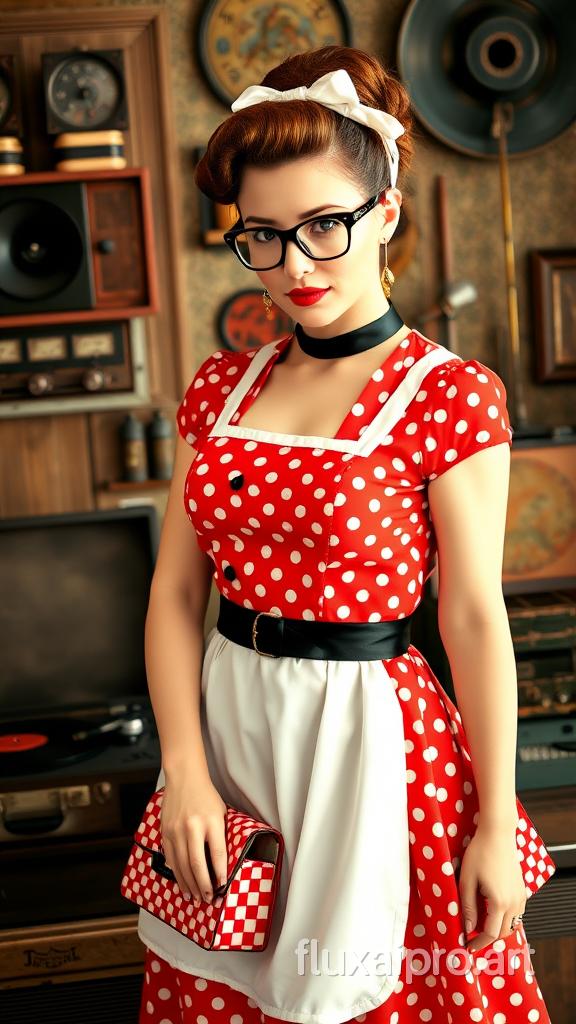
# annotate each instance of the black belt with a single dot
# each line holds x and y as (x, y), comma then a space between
(275, 636)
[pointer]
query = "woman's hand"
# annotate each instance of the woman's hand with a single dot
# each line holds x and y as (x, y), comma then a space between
(193, 814)
(490, 863)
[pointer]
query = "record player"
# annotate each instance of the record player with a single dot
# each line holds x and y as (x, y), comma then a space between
(79, 750)
(73, 787)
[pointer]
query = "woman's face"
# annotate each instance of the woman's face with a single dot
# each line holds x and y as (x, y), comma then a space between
(282, 196)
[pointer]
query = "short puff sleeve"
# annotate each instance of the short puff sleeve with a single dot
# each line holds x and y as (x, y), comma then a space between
(204, 397)
(464, 412)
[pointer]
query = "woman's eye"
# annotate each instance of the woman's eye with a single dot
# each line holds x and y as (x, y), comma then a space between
(263, 231)
(325, 225)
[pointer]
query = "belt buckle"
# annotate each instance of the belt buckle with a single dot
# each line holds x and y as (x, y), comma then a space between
(265, 654)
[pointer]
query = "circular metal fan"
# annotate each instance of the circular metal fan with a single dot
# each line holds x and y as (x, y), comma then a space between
(458, 58)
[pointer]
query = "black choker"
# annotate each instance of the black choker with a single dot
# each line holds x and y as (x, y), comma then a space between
(351, 342)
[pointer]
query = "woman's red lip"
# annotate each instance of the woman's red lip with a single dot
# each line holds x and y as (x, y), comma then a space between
(307, 291)
(308, 297)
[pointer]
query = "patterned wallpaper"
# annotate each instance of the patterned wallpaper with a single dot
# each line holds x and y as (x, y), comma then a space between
(543, 198)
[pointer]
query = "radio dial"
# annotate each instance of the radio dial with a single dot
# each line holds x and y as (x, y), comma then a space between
(41, 383)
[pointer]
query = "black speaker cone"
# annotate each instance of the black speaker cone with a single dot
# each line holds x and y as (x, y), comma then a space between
(40, 249)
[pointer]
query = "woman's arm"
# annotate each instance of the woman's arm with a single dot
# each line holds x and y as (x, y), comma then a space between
(174, 632)
(193, 812)
(468, 508)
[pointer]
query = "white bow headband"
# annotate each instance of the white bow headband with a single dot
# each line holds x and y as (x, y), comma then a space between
(337, 91)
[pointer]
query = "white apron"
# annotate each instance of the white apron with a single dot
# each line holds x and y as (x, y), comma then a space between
(315, 748)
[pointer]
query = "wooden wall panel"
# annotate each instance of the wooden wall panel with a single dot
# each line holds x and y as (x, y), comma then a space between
(45, 466)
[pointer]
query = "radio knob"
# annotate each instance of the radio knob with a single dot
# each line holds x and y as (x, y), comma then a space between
(106, 245)
(102, 792)
(532, 694)
(40, 383)
(94, 379)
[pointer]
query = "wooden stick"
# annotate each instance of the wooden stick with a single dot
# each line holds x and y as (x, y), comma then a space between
(446, 259)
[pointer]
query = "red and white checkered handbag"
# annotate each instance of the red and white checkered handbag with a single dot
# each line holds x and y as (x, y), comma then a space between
(240, 915)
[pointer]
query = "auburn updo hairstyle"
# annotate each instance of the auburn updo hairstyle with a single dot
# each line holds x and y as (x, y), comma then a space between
(272, 132)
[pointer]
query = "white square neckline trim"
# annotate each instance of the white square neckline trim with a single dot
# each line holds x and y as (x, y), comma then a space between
(374, 433)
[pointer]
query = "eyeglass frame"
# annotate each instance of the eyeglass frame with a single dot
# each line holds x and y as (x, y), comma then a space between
(349, 218)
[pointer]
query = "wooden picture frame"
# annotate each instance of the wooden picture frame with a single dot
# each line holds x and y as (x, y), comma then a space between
(540, 540)
(553, 274)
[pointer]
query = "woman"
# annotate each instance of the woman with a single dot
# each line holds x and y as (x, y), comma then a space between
(328, 469)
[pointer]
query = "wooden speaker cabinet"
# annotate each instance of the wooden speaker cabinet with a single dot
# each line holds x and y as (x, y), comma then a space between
(76, 246)
(86, 971)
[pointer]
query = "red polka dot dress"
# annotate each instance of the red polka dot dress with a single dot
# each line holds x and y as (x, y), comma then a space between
(363, 765)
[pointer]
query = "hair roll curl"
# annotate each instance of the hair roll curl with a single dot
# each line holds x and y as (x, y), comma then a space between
(274, 132)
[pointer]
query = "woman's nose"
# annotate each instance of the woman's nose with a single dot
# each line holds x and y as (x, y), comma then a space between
(296, 261)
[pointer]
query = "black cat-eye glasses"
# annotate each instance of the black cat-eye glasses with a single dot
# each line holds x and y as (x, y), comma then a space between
(325, 237)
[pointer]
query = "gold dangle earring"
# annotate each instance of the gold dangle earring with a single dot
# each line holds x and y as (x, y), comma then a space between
(387, 278)
(267, 300)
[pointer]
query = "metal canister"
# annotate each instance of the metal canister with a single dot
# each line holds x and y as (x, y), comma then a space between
(135, 455)
(162, 446)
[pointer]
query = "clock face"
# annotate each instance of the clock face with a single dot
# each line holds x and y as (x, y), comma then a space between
(83, 91)
(5, 99)
(241, 40)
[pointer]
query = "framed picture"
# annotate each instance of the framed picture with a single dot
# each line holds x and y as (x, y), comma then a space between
(540, 542)
(243, 324)
(215, 218)
(554, 309)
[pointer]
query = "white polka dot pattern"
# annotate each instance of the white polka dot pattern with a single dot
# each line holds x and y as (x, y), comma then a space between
(335, 537)
(315, 533)
(463, 407)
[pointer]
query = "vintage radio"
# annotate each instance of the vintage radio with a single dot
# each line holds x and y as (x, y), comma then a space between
(543, 628)
(546, 753)
(66, 359)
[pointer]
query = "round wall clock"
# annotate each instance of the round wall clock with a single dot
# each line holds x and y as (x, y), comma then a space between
(10, 107)
(84, 90)
(242, 321)
(6, 97)
(239, 41)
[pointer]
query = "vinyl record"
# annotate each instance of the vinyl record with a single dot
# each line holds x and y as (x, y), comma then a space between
(457, 59)
(41, 744)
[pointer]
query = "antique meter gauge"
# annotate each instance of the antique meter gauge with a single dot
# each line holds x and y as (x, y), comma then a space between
(240, 40)
(84, 90)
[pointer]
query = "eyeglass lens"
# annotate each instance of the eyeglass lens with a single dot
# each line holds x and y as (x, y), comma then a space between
(324, 238)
